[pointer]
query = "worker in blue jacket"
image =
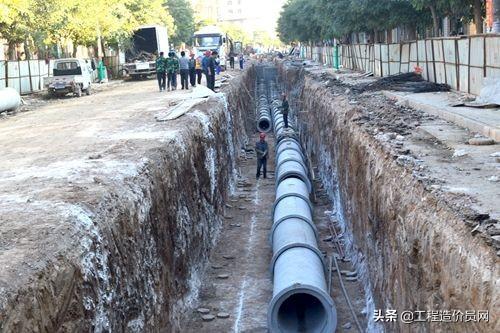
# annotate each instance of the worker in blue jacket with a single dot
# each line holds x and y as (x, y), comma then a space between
(261, 148)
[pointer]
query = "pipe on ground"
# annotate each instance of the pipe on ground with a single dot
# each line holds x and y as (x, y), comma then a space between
(292, 187)
(264, 122)
(10, 99)
(300, 302)
(289, 155)
(293, 169)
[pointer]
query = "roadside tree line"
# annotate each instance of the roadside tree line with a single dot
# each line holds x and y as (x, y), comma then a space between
(40, 25)
(320, 20)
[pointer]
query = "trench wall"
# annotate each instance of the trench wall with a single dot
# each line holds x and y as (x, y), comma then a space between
(138, 254)
(412, 250)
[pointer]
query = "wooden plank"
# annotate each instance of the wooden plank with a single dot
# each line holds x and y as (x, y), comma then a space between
(457, 63)
(468, 68)
(444, 62)
(433, 60)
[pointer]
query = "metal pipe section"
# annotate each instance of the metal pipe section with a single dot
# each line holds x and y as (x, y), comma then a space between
(9, 99)
(301, 301)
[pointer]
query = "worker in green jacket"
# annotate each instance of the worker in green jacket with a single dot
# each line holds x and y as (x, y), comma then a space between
(172, 65)
(160, 71)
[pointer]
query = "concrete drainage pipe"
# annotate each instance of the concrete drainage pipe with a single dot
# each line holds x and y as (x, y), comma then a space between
(293, 232)
(264, 123)
(300, 302)
(292, 187)
(289, 155)
(293, 169)
(291, 207)
(289, 143)
(9, 99)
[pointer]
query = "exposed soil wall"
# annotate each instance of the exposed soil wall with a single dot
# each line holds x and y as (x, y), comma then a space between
(418, 250)
(125, 254)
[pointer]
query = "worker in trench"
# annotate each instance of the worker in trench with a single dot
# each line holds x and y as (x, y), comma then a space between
(261, 148)
(285, 107)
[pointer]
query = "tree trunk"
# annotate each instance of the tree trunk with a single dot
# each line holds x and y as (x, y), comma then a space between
(435, 21)
(12, 51)
(75, 50)
(27, 48)
(478, 16)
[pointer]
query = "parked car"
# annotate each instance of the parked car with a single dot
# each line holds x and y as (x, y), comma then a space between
(70, 76)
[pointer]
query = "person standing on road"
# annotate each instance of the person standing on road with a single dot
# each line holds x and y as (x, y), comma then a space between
(212, 64)
(217, 65)
(184, 66)
(199, 70)
(231, 60)
(285, 107)
(204, 65)
(172, 65)
(192, 70)
(160, 71)
(241, 61)
(261, 148)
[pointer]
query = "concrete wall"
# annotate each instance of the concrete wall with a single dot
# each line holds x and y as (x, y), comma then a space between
(461, 62)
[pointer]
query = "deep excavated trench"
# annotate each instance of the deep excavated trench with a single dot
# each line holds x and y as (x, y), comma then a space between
(191, 230)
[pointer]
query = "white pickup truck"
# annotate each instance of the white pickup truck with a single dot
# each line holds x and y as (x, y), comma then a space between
(70, 76)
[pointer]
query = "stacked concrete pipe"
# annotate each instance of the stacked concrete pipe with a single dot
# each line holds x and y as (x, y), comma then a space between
(301, 302)
(264, 122)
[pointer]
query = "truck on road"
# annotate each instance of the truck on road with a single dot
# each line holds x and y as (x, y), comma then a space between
(145, 45)
(70, 76)
(211, 38)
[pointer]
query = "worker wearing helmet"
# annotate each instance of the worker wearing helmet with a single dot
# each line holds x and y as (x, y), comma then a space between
(261, 148)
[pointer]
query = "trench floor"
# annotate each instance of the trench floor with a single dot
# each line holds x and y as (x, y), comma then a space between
(243, 252)
(237, 281)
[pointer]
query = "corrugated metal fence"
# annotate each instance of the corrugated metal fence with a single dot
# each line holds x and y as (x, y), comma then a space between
(462, 62)
(25, 76)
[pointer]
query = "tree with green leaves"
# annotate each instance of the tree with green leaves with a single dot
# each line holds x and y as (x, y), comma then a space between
(235, 32)
(183, 16)
(317, 20)
(41, 23)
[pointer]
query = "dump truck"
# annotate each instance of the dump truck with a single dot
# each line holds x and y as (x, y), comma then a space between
(145, 45)
(211, 38)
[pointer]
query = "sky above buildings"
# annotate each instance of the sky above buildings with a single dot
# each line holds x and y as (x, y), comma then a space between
(251, 15)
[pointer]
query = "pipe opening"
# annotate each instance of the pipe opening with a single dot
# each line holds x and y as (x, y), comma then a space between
(301, 312)
(264, 125)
